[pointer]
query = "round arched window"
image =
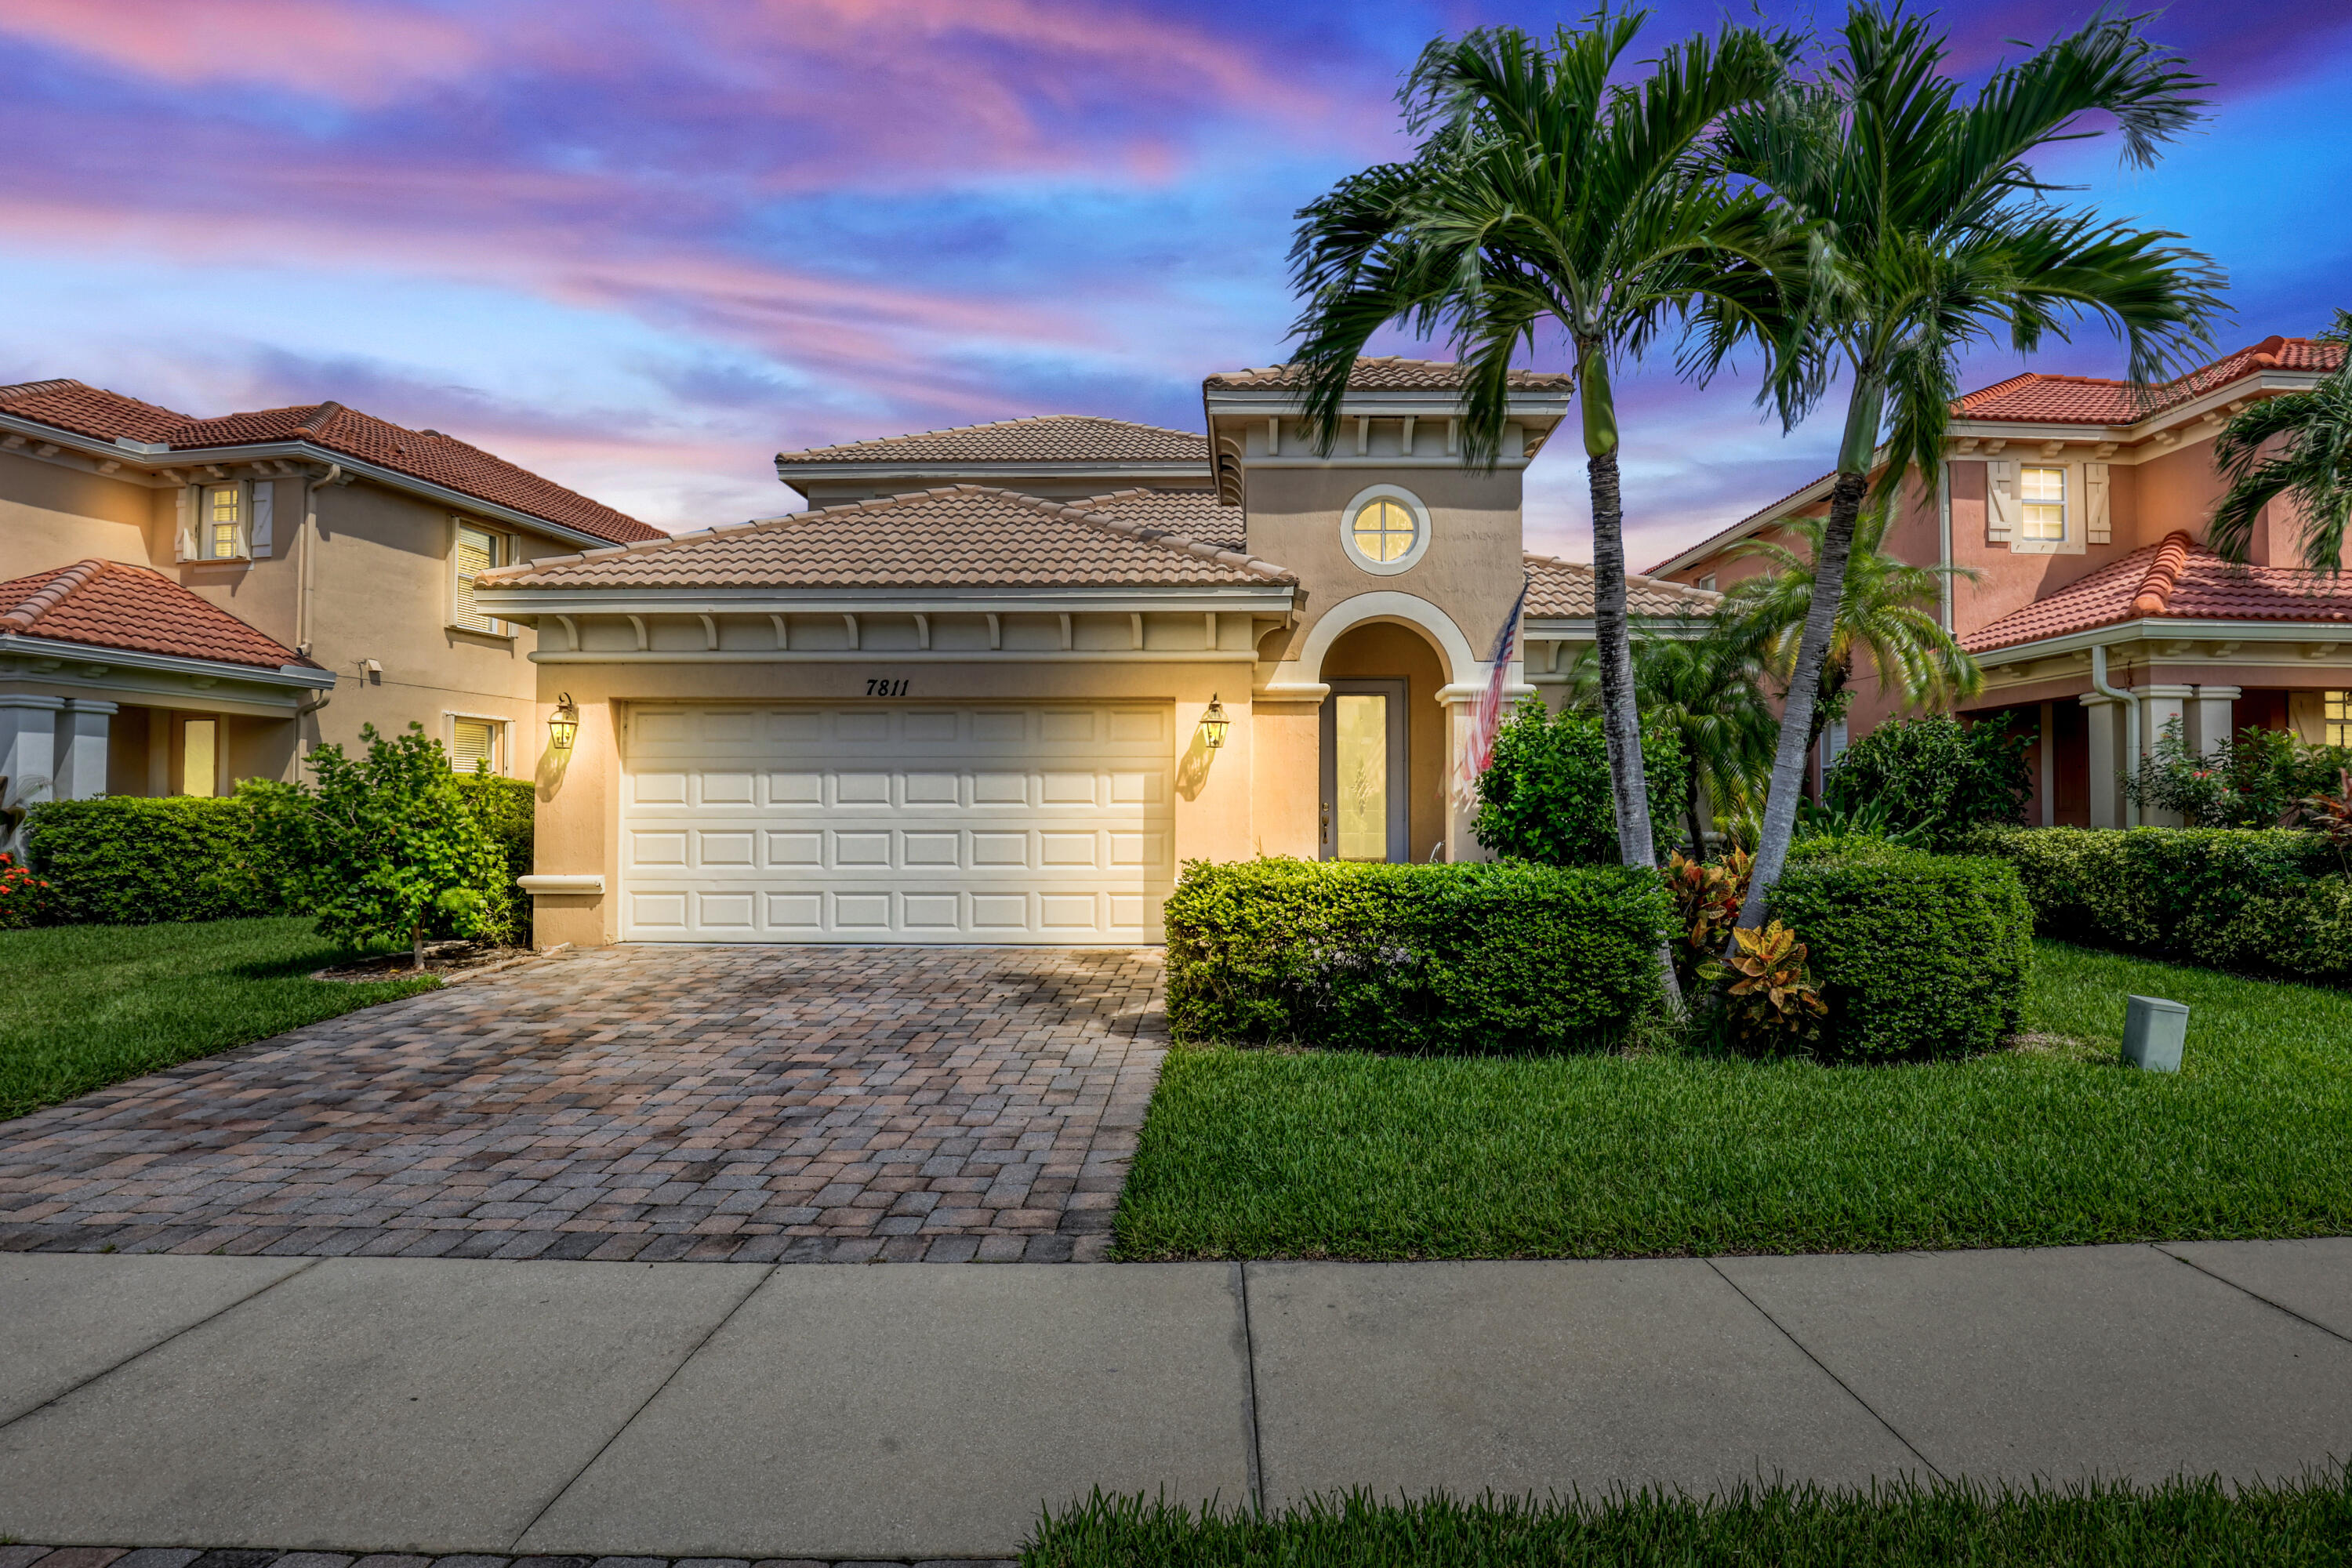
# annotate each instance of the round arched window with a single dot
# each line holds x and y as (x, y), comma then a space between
(1386, 530)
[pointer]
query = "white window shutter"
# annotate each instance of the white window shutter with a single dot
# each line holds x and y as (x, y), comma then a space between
(265, 497)
(185, 549)
(2095, 486)
(2001, 500)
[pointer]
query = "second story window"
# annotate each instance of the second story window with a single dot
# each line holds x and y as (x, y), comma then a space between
(2041, 497)
(222, 530)
(478, 550)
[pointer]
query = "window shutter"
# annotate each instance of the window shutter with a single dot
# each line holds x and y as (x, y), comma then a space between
(477, 553)
(186, 548)
(264, 498)
(473, 741)
(2095, 486)
(2001, 500)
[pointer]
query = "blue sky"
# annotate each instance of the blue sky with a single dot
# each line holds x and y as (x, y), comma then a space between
(640, 248)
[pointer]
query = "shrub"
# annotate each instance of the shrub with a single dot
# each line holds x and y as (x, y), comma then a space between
(1504, 957)
(1546, 797)
(1934, 778)
(504, 808)
(1916, 955)
(388, 847)
(2265, 778)
(2263, 900)
(24, 897)
(125, 860)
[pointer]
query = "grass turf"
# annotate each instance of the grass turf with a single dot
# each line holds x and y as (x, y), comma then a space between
(1257, 1154)
(2178, 1523)
(88, 1006)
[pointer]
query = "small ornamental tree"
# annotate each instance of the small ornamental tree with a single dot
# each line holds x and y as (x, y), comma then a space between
(1546, 796)
(383, 848)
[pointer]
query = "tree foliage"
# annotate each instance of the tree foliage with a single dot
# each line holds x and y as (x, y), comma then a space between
(1935, 777)
(2299, 445)
(1546, 795)
(386, 847)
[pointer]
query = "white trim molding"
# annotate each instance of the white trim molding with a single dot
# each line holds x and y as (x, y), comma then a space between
(1462, 664)
(1420, 530)
(562, 886)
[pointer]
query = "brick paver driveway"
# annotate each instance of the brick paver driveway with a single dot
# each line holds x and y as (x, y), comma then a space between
(826, 1104)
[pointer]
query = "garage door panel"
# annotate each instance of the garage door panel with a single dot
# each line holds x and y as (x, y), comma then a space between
(847, 824)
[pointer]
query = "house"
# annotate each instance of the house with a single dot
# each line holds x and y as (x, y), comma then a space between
(192, 600)
(997, 683)
(2081, 506)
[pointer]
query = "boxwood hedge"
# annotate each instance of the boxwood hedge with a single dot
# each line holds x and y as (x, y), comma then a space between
(2261, 900)
(1916, 955)
(129, 860)
(1506, 957)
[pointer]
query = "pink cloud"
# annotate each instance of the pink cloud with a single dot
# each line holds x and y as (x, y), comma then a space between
(358, 57)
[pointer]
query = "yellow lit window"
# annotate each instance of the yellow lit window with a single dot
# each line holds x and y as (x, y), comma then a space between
(223, 523)
(200, 757)
(477, 550)
(1384, 530)
(473, 741)
(2043, 493)
(2336, 712)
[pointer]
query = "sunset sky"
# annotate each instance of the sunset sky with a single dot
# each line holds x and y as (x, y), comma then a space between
(640, 247)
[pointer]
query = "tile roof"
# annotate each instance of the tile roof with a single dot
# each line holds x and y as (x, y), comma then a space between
(2090, 400)
(2178, 578)
(1564, 589)
(1387, 374)
(332, 429)
(1198, 514)
(1048, 438)
(959, 536)
(105, 603)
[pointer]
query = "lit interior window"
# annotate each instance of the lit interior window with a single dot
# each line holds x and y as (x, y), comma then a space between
(223, 523)
(2336, 710)
(2043, 493)
(200, 757)
(1385, 530)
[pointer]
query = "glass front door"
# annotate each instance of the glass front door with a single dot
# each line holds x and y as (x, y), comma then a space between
(1363, 814)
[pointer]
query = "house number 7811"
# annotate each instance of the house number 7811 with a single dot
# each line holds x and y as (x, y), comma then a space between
(886, 689)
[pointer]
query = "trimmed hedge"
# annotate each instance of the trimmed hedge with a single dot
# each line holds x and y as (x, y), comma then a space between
(1916, 955)
(128, 861)
(2261, 900)
(1506, 957)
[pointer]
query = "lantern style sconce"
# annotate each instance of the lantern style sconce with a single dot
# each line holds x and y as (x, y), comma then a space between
(563, 724)
(1213, 724)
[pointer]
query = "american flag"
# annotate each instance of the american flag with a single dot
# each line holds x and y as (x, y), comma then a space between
(1488, 721)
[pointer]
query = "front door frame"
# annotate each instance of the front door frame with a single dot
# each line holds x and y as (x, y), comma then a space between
(1400, 763)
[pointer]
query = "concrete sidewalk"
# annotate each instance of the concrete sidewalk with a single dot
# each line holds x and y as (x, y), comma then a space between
(930, 1411)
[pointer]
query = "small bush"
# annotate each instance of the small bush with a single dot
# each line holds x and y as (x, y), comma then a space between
(2259, 900)
(1916, 955)
(2265, 778)
(1546, 797)
(24, 897)
(1934, 778)
(1504, 957)
(504, 808)
(127, 861)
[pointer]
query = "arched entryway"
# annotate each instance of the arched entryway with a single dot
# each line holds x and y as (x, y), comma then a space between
(1383, 776)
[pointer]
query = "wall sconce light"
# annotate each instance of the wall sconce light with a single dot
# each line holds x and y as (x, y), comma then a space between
(563, 724)
(1213, 724)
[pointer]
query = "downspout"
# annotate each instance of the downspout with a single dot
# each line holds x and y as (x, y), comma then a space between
(2131, 724)
(1944, 537)
(309, 546)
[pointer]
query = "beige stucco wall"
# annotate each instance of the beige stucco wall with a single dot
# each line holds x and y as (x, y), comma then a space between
(580, 793)
(52, 516)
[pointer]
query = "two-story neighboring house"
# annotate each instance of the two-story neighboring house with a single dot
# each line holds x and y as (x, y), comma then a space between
(2081, 507)
(192, 600)
(998, 683)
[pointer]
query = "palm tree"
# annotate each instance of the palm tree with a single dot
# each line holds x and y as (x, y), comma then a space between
(1544, 196)
(2313, 463)
(1886, 610)
(1930, 234)
(1709, 688)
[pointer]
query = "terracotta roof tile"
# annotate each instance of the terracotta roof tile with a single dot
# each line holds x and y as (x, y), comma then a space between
(961, 536)
(1049, 439)
(333, 429)
(1197, 514)
(1564, 589)
(2176, 578)
(1387, 374)
(2090, 400)
(105, 603)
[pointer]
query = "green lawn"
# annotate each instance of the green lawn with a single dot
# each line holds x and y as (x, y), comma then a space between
(84, 1006)
(2094, 1526)
(1257, 1153)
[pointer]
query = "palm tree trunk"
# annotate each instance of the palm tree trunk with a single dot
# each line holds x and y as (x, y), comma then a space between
(1621, 722)
(1804, 690)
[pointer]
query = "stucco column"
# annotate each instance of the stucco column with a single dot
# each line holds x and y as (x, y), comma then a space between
(2160, 706)
(82, 729)
(1461, 800)
(2106, 760)
(28, 733)
(2209, 722)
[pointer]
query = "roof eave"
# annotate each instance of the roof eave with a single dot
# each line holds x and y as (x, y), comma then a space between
(2163, 628)
(25, 644)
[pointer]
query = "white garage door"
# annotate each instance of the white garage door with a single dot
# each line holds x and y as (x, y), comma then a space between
(896, 824)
